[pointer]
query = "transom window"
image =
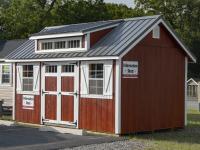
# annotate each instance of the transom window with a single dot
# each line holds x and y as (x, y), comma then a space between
(64, 43)
(74, 44)
(51, 69)
(67, 68)
(27, 78)
(60, 45)
(96, 79)
(47, 45)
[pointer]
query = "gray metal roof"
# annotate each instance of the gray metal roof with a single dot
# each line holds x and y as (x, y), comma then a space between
(8, 46)
(82, 27)
(113, 44)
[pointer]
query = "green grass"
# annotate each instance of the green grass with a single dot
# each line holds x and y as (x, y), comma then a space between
(182, 139)
(6, 117)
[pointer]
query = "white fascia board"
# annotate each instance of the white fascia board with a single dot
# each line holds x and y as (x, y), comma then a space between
(185, 96)
(55, 36)
(171, 32)
(64, 59)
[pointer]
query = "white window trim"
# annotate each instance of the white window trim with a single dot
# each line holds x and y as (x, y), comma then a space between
(5, 84)
(95, 95)
(38, 46)
(27, 92)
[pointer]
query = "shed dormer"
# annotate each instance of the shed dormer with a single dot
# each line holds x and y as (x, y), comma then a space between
(72, 38)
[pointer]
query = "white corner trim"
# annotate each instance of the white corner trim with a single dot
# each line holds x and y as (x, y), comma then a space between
(185, 100)
(118, 97)
(149, 30)
(13, 79)
(63, 59)
(55, 36)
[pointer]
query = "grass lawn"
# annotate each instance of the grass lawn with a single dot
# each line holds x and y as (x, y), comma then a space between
(183, 139)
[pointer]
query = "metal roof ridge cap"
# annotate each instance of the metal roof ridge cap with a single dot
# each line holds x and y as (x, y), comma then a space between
(101, 26)
(143, 17)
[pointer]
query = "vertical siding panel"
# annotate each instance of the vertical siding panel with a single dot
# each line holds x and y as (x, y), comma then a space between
(155, 100)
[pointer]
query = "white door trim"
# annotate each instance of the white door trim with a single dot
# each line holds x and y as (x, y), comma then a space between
(59, 75)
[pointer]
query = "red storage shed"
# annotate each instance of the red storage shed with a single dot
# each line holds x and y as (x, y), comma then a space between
(118, 76)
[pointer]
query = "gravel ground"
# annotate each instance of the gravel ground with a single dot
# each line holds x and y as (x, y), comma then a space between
(119, 145)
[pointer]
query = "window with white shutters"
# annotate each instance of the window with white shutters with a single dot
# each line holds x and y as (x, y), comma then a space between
(28, 78)
(96, 79)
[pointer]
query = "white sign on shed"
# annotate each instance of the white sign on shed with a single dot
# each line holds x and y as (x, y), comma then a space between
(28, 102)
(130, 68)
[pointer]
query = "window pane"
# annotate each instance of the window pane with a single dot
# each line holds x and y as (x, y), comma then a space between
(74, 44)
(27, 84)
(60, 45)
(51, 69)
(28, 71)
(27, 78)
(67, 68)
(5, 74)
(96, 79)
(47, 45)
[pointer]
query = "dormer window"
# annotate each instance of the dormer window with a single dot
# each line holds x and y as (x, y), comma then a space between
(74, 44)
(62, 44)
(47, 45)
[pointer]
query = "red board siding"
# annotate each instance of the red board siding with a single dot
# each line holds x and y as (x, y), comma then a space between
(67, 84)
(96, 36)
(50, 83)
(154, 100)
(98, 114)
(67, 109)
(50, 107)
(26, 115)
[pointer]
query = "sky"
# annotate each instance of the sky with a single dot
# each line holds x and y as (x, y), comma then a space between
(129, 3)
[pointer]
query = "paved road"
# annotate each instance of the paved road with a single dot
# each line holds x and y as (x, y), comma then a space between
(23, 138)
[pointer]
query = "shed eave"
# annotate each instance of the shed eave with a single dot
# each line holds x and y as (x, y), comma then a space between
(63, 59)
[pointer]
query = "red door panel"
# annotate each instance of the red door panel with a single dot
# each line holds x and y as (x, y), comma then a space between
(67, 84)
(50, 107)
(67, 112)
(50, 83)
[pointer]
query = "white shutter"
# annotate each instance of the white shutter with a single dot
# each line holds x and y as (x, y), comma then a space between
(108, 78)
(84, 78)
(36, 77)
(19, 78)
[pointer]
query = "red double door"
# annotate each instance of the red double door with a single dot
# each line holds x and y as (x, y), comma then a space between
(59, 93)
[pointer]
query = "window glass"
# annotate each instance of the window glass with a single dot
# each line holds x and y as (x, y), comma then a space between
(47, 45)
(51, 69)
(96, 79)
(74, 44)
(6, 74)
(60, 45)
(27, 78)
(67, 68)
(192, 90)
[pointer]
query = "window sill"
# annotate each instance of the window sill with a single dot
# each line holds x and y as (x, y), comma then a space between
(28, 92)
(97, 96)
(61, 50)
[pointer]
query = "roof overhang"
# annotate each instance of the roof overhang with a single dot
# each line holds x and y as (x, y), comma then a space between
(170, 30)
(63, 59)
(50, 36)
